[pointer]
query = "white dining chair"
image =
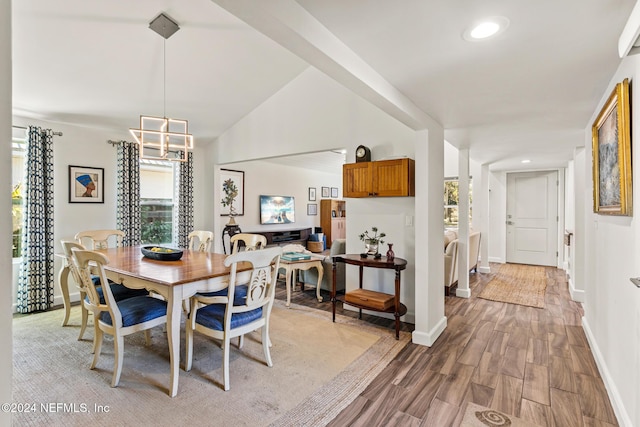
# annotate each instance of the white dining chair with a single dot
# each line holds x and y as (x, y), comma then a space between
(225, 318)
(120, 292)
(100, 239)
(247, 242)
(117, 318)
(200, 240)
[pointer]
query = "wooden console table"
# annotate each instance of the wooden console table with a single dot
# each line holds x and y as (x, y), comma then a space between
(398, 264)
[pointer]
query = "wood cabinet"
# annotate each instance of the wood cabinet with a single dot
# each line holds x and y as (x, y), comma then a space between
(385, 178)
(333, 219)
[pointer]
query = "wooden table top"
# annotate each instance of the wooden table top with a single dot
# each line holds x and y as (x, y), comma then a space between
(370, 261)
(191, 267)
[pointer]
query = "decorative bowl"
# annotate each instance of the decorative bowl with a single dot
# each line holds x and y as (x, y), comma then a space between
(161, 253)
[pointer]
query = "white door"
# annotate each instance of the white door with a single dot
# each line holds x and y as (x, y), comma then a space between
(532, 218)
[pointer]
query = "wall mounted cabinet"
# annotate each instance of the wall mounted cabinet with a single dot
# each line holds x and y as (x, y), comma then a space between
(385, 178)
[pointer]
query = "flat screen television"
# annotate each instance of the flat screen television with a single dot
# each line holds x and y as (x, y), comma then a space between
(277, 210)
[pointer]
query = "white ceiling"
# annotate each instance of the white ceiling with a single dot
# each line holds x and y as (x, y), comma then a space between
(530, 92)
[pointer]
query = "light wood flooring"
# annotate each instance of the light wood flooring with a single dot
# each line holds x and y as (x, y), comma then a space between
(533, 363)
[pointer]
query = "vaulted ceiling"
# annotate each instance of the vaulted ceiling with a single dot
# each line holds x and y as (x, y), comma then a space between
(528, 92)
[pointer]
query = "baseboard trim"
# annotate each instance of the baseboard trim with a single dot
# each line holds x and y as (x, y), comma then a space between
(497, 260)
(578, 295)
(57, 301)
(484, 269)
(429, 338)
(463, 293)
(612, 390)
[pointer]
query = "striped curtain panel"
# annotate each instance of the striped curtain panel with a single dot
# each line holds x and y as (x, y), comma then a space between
(184, 208)
(35, 282)
(128, 205)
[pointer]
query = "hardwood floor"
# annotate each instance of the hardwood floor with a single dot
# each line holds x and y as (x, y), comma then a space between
(532, 363)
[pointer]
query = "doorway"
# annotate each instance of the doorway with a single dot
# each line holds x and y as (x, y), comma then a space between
(532, 218)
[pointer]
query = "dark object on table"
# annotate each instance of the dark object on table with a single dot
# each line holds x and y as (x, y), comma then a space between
(363, 255)
(160, 253)
(377, 256)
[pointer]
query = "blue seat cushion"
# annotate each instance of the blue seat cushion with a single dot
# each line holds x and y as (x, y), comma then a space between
(120, 292)
(138, 310)
(212, 317)
(239, 297)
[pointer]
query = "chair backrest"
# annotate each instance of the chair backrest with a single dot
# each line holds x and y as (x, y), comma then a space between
(251, 242)
(200, 240)
(68, 246)
(91, 261)
(100, 239)
(261, 287)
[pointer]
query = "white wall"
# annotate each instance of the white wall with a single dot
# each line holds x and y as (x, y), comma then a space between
(612, 302)
(288, 123)
(6, 351)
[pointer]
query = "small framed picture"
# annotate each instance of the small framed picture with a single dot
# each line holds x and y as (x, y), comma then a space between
(312, 209)
(86, 184)
(334, 192)
(325, 192)
(312, 194)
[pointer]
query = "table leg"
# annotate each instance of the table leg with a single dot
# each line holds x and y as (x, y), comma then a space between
(288, 284)
(320, 274)
(174, 314)
(63, 280)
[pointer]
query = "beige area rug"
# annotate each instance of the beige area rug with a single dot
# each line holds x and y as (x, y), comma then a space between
(319, 368)
(517, 284)
(480, 416)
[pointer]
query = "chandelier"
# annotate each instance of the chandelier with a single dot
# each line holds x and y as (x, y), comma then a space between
(162, 138)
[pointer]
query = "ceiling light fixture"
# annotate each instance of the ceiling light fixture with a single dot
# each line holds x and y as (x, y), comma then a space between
(161, 134)
(525, 161)
(486, 28)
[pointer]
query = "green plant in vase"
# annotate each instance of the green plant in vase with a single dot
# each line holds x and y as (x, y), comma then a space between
(372, 241)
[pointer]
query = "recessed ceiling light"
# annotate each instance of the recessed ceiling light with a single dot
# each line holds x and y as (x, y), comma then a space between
(486, 28)
(526, 161)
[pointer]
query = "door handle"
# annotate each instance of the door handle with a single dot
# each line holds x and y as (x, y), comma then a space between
(510, 223)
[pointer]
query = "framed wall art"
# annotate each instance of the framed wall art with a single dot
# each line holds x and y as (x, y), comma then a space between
(611, 133)
(86, 184)
(334, 192)
(312, 209)
(232, 181)
(312, 194)
(325, 192)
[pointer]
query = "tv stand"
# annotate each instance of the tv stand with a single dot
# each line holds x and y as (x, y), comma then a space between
(286, 237)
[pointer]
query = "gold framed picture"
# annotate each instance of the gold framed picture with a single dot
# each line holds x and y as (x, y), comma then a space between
(611, 133)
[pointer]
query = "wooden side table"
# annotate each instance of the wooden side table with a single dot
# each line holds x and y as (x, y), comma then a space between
(398, 264)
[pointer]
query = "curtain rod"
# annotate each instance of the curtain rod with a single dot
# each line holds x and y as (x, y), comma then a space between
(25, 128)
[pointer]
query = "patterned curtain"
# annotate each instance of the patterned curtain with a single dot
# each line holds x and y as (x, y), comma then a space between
(128, 209)
(35, 283)
(184, 209)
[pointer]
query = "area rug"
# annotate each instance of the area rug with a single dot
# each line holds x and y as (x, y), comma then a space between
(517, 284)
(315, 360)
(479, 416)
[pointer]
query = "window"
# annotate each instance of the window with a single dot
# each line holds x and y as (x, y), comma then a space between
(451, 201)
(157, 201)
(17, 185)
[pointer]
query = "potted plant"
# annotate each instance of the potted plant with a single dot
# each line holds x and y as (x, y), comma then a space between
(371, 242)
(230, 193)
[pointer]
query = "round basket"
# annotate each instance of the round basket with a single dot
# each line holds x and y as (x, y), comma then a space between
(315, 246)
